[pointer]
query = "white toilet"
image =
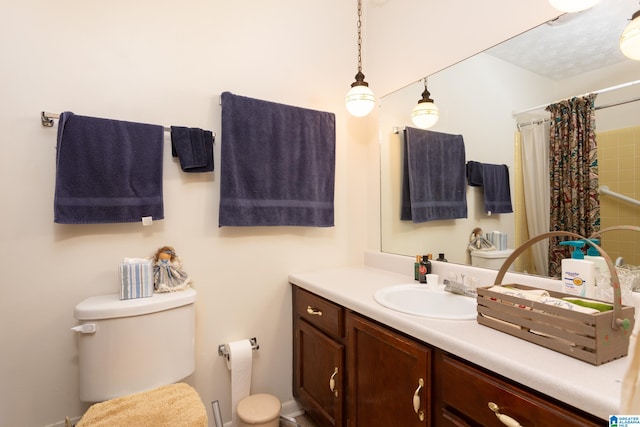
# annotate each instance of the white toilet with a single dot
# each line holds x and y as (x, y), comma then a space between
(129, 346)
(491, 259)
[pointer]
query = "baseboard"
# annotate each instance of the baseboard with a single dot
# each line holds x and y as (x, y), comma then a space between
(291, 409)
(63, 422)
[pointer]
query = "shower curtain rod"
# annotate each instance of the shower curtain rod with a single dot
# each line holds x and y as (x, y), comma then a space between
(607, 89)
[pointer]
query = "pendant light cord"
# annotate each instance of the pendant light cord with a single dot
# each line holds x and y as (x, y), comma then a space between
(359, 26)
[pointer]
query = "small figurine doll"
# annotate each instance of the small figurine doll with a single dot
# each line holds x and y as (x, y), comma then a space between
(167, 271)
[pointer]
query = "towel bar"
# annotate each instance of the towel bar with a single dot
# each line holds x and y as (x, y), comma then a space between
(223, 352)
(47, 121)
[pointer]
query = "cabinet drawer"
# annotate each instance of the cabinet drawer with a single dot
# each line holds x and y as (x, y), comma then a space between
(467, 390)
(319, 312)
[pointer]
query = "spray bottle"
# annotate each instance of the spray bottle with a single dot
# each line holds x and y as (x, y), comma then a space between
(578, 274)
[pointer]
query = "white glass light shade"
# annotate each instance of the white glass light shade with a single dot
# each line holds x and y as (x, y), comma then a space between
(425, 115)
(630, 39)
(360, 101)
(571, 6)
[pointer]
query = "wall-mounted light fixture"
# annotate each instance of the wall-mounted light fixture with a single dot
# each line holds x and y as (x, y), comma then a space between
(571, 6)
(360, 99)
(426, 113)
(630, 38)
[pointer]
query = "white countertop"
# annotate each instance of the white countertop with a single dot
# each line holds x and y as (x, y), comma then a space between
(594, 389)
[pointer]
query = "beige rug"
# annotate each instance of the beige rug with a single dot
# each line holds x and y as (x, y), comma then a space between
(173, 405)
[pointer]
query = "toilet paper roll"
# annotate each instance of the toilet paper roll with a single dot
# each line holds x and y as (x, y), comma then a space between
(239, 363)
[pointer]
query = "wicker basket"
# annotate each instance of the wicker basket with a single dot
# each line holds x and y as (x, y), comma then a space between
(593, 338)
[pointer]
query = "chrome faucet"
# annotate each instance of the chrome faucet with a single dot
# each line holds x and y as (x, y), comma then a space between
(459, 287)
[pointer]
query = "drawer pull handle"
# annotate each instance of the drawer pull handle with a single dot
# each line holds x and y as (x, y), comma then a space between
(332, 382)
(314, 311)
(505, 419)
(416, 400)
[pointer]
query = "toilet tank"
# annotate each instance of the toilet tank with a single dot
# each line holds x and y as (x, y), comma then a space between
(491, 259)
(128, 346)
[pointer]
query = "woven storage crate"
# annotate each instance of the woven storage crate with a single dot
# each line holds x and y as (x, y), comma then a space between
(593, 338)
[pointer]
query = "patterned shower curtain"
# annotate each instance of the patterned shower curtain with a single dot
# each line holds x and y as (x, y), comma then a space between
(573, 173)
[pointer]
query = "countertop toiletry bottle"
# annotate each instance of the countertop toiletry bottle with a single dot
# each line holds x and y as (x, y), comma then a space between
(598, 261)
(441, 258)
(578, 274)
(416, 268)
(425, 268)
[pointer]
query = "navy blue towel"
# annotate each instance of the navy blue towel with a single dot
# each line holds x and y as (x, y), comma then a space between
(497, 191)
(107, 171)
(193, 147)
(434, 185)
(277, 164)
(474, 174)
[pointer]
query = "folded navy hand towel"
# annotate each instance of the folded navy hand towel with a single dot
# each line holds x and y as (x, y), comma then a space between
(277, 164)
(474, 174)
(193, 147)
(107, 171)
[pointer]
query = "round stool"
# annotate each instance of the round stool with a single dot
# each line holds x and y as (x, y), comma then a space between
(259, 410)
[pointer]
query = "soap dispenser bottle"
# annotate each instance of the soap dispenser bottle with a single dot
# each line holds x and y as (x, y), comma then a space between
(578, 274)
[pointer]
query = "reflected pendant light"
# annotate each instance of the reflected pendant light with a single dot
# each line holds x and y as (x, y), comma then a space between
(630, 38)
(426, 113)
(360, 99)
(571, 6)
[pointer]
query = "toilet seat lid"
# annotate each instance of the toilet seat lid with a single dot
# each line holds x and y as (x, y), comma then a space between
(258, 408)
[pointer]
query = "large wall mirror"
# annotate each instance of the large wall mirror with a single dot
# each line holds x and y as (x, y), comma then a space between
(485, 98)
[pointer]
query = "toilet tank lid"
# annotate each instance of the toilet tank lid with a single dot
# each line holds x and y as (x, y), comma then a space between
(111, 306)
(492, 254)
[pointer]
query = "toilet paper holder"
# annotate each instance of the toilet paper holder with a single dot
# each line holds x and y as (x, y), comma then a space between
(222, 351)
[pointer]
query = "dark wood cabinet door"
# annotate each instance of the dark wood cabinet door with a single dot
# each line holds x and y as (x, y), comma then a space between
(467, 392)
(319, 380)
(389, 374)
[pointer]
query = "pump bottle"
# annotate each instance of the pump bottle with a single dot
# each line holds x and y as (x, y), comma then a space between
(578, 274)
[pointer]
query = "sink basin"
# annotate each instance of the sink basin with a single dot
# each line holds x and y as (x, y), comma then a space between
(420, 300)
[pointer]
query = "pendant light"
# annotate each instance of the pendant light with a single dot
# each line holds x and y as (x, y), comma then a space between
(630, 38)
(360, 99)
(426, 113)
(571, 6)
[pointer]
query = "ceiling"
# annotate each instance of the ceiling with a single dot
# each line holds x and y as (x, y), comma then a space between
(591, 36)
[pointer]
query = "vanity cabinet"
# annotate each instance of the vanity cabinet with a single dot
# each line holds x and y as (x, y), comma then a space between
(470, 396)
(389, 377)
(352, 371)
(319, 380)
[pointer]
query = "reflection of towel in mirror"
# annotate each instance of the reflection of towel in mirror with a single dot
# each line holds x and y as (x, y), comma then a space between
(474, 174)
(433, 176)
(497, 192)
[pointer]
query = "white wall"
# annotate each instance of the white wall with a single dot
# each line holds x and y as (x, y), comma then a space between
(167, 62)
(161, 62)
